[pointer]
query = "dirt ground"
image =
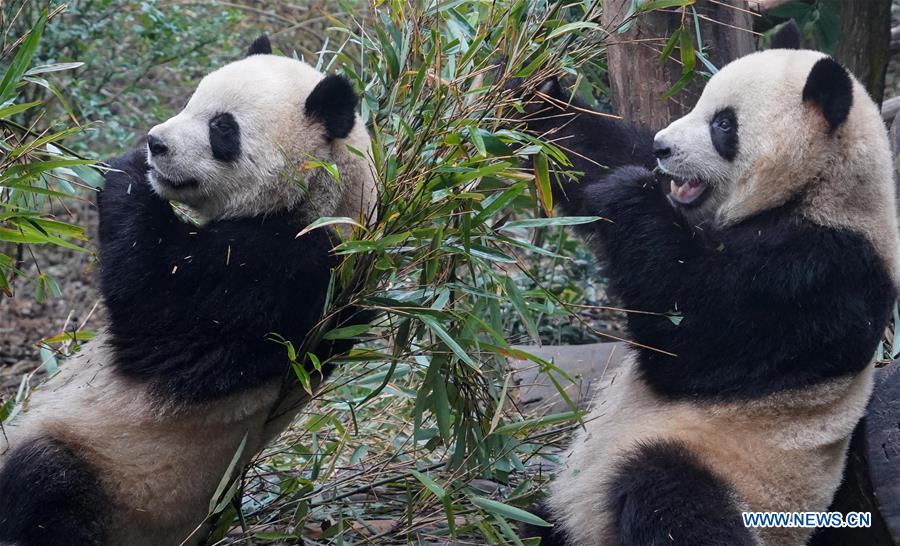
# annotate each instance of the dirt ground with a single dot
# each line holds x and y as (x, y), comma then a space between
(25, 322)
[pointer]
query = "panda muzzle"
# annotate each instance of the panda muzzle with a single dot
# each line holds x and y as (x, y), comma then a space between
(686, 191)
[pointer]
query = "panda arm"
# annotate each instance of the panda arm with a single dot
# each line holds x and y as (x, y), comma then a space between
(769, 304)
(194, 307)
(133, 219)
(208, 316)
(594, 142)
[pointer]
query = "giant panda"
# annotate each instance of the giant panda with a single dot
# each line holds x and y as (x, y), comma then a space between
(761, 257)
(127, 443)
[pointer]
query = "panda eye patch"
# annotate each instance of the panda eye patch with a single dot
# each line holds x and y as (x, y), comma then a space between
(224, 123)
(724, 124)
(723, 131)
(225, 137)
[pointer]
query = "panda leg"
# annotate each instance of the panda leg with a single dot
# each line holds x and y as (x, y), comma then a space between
(663, 494)
(550, 536)
(50, 496)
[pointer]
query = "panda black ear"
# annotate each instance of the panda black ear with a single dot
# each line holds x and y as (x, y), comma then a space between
(830, 87)
(333, 102)
(260, 46)
(552, 88)
(787, 37)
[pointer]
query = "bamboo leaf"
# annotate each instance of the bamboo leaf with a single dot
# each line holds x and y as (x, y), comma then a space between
(329, 221)
(686, 48)
(439, 330)
(509, 512)
(430, 484)
(55, 67)
(670, 44)
(346, 332)
(17, 108)
(441, 405)
(569, 27)
(539, 422)
(518, 302)
(542, 179)
(22, 60)
(651, 5)
(551, 222)
(226, 479)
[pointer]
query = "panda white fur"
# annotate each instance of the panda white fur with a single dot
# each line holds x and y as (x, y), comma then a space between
(770, 231)
(127, 443)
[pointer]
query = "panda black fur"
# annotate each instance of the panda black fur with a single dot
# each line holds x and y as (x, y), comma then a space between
(127, 443)
(770, 232)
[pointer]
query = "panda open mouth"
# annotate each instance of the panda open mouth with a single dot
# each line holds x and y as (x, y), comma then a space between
(686, 191)
(188, 183)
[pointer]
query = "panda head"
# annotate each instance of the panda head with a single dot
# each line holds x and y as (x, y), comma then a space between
(253, 136)
(767, 128)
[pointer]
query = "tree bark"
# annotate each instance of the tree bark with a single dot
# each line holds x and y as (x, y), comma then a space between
(865, 42)
(638, 80)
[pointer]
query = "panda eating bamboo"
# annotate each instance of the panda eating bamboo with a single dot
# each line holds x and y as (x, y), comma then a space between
(769, 230)
(128, 442)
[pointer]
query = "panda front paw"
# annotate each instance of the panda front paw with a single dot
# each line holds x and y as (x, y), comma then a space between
(634, 176)
(630, 200)
(127, 175)
(621, 186)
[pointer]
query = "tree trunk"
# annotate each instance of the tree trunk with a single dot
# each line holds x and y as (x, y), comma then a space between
(637, 78)
(865, 42)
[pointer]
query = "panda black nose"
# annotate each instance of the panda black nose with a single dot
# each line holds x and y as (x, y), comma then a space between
(661, 150)
(156, 145)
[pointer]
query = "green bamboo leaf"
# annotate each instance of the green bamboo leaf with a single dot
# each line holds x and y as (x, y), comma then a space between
(442, 495)
(550, 222)
(432, 485)
(346, 332)
(439, 330)
(509, 512)
(49, 361)
(22, 60)
(226, 498)
(518, 303)
(18, 108)
(492, 169)
(38, 142)
(52, 227)
(359, 454)
(542, 179)
(441, 405)
(28, 188)
(569, 27)
(271, 536)
(679, 85)
(38, 167)
(670, 44)
(490, 254)
(55, 67)
(538, 422)
(226, 479)
(498, 201)
(536, 63)
(501, 400)
(303, 376)
(15, 236)
(4, 288)
(686, 48)
(477, 140)
(78, 335)
(651, 5)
